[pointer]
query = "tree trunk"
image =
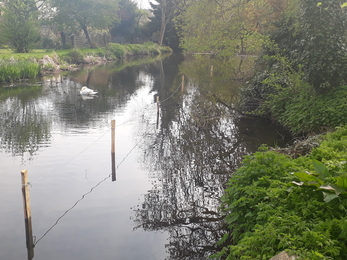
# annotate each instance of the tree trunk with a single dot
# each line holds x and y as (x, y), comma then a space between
(85, 30)
(163, 22)
(91, 44)
(63, 39)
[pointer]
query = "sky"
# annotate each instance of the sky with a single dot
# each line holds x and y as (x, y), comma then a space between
(143, 4)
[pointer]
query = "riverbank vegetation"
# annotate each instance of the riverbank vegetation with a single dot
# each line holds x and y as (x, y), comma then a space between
(274, 203)
(29, 65)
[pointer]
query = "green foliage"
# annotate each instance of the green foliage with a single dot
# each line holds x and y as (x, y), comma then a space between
(117, 50)
(125, 26)
(282, 94)
(75, 56)
(159, 22)
(321, 50)
(12, 70)
(312, 38)
(19, 25)
(323, 180)
(301, 76)
(85, 14)
(136, 49)
(301, 109)
(274, 203)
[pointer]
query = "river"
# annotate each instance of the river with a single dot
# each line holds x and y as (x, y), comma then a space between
(171, 164)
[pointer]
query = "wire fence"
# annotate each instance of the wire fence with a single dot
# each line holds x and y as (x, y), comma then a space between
(36, 241)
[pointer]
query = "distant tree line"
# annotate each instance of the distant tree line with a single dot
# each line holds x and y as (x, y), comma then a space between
(21, 22)
(310, 34)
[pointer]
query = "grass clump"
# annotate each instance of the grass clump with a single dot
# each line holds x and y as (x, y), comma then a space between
(11, 70)
(74, 56)
(116, 50)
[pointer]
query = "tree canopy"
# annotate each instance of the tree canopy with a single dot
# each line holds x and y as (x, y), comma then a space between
(86, 14)
(19, 25)
(127, 22)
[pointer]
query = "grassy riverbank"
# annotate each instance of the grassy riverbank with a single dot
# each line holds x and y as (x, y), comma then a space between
(18, 66)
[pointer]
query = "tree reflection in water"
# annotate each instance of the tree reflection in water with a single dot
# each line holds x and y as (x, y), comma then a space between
(191, 160)
(23, 125)
(198, 146)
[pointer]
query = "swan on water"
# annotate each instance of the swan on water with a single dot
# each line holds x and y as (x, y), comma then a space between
(87, 91)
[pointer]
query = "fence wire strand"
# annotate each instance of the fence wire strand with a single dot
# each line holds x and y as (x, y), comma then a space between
(85, 194)
(103, 180)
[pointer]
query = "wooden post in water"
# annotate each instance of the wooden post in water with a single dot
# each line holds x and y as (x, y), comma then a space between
(158, 108)
(27, 215)
(211, 72)
(113, 149)
(182, 83)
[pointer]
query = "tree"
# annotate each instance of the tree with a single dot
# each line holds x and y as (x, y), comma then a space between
(128, 14)
(227, 27)
(312, 37)
(162, 22)
(321, 51)
(86, 14)
(19, 25)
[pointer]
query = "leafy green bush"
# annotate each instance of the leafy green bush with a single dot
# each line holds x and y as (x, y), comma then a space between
(136, 49)
(75, 56)
(294, 103)
(275, 203)
(302, 110)
(117, 50)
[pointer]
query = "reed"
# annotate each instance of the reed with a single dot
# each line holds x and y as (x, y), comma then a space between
(11, 70)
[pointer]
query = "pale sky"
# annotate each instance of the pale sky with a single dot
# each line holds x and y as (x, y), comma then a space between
(143, 4)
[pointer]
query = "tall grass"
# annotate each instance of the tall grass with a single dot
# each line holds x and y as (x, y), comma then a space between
(118, 51)
(11, 70)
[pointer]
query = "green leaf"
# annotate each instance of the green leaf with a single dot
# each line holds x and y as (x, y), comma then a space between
(329, 196)
(231, 218)
(344, 5)
(320, 168)
(307, 177)
(342, 181)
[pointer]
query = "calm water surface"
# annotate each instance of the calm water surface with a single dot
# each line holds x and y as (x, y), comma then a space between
(171, 169)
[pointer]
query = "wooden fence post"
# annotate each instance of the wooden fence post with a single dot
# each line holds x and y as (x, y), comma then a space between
(211, 72)
(158, 108)
(27, 215)
(182, 83)
(113, 148)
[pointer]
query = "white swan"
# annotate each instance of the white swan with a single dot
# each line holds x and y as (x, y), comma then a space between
(87, 91)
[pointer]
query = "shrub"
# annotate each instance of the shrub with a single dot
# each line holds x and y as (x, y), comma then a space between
(117, 50)
(74, 56)
(136, 49)
(267, 212)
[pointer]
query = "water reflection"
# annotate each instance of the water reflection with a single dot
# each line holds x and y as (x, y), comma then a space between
(27, 113)
(200, 143)
(23, 123)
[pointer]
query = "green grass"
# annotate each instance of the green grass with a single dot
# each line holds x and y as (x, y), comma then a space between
(119, 50)
(17, 66)
(6, 54)
(19, 69)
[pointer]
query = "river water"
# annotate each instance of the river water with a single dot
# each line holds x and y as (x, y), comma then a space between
(171, 164)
